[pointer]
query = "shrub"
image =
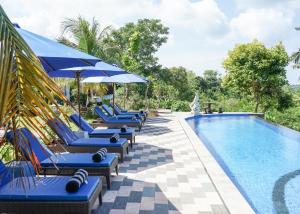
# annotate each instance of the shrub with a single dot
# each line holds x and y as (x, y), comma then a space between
(179, 105)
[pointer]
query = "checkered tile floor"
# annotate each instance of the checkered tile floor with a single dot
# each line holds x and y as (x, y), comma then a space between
(162, 174)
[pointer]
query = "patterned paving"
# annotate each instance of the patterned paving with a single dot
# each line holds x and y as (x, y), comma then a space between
(162, 174)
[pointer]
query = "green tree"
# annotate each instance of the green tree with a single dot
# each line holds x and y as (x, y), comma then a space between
(183, 80)
(133, 46)
(210, 83)
(256, 71)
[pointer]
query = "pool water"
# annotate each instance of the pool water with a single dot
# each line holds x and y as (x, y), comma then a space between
(262, 159)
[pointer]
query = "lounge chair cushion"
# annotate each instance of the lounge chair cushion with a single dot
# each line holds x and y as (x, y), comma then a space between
(84, 125)
(122, 115)
(107, 119)
(47, 189)
(5, 175)
(64, 132)
(80, 160)
(112, 131)
(30, 144)
(118, 110)
(107, 109)
(98, 142)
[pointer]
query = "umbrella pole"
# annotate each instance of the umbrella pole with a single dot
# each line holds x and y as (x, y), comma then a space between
(125, 95)
(146, 96)
(78, 95)
(114, 98)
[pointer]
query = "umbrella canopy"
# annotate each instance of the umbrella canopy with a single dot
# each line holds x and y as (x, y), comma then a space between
(122, 78)
(101, 69)
(54, 55)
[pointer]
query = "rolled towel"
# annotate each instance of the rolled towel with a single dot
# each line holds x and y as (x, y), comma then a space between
(77, 180)
(142, 112)
(123, 129)
(83, 174)
(86, 174)
(100, 155)
(133, 118)
(73, 185)
(114, 138)
(137, 115)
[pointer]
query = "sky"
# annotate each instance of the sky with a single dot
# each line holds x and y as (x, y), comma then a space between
(201, 31)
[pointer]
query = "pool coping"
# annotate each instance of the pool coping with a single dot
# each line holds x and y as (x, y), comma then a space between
(229, 193)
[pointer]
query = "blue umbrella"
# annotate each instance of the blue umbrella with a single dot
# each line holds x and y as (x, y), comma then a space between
(54, 55)
(101, 69)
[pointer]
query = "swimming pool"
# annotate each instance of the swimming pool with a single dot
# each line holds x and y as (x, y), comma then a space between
(262, 159)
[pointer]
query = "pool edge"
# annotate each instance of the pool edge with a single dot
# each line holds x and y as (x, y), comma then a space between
(229, 193)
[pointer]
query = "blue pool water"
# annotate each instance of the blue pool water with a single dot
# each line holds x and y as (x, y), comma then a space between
(262, 159)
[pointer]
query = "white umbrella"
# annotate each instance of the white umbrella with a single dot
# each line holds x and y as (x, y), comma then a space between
(121, 78)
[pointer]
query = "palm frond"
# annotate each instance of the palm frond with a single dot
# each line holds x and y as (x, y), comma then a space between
(88, 36)
(295, 57)
(26, 91)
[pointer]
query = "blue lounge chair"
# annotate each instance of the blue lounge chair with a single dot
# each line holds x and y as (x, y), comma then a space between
(46, 195)
(96, 133)
(65, 163)
(119, 110)
(120, 116)
(90, 145)
(112, 122)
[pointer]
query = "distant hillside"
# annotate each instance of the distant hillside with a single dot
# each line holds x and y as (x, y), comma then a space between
(295, 87)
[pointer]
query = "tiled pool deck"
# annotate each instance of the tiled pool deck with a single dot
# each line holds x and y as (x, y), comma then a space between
(165, 174)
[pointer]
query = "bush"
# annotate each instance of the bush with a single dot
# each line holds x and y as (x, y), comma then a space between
(7, 153)
(179, 105)
(166, 104)
(90, 113)
(290, 117)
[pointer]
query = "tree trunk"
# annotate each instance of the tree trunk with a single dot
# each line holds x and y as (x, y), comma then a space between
(256, 107)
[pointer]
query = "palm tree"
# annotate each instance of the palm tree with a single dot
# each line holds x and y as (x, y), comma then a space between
(296, 59)
(88, 37)
(25, 88)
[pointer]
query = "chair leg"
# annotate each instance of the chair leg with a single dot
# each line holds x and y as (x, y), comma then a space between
(127, 150)
(117, 169)
(122, 155)
(108, 181)
(100, 198)
(131, 142)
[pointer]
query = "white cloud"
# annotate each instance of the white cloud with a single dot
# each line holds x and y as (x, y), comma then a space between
(204, 16)
(246, 4)
(45, 16)
(200, 32)
(267, 25)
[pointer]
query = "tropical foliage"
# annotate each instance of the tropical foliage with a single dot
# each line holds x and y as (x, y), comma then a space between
(257, 72)
(87, 36)
(296, 59)
(26, 91)
(255, 78)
